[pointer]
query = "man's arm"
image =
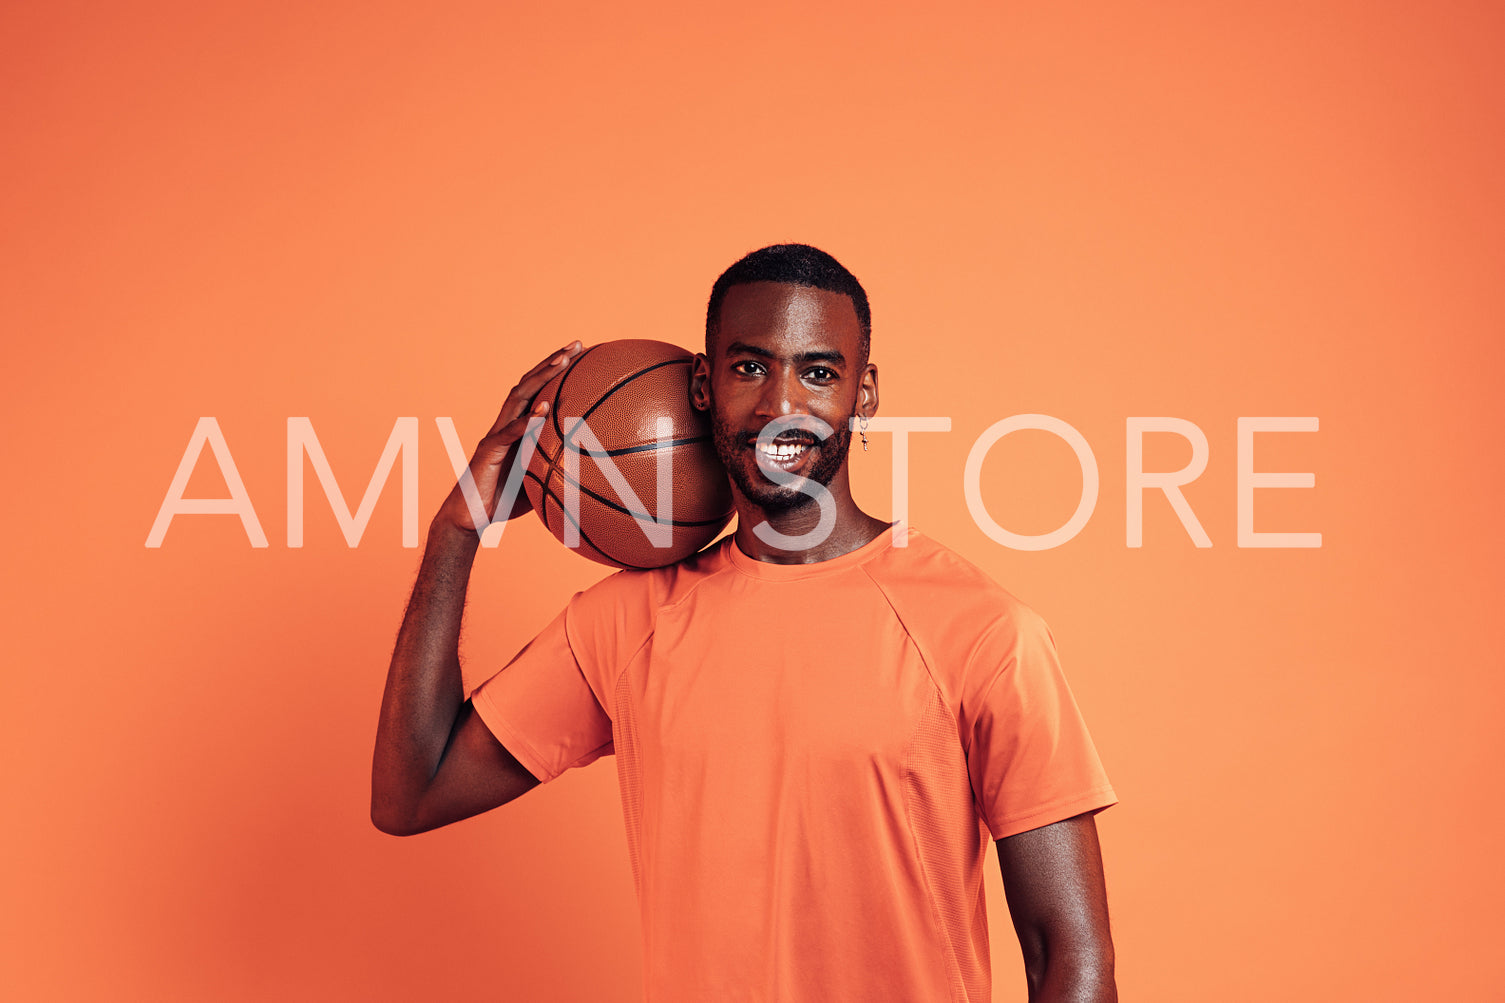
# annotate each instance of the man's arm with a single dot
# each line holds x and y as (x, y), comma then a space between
(436, 762)
(1053, 880)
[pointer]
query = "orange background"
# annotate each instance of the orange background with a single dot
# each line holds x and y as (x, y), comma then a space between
(357, 212)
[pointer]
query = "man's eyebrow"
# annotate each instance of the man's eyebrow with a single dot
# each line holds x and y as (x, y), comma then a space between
(742, 348)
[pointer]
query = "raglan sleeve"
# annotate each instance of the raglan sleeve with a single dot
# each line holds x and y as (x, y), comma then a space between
(551, 706)
(1029, 755)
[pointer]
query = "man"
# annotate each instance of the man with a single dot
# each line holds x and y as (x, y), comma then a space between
(817, 722)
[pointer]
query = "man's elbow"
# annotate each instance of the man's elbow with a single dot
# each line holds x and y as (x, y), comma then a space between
(393, 821)
(1093, 969)
(394, 828)
(1084, 971)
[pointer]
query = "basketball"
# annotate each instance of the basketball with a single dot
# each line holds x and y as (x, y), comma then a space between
(620, 427)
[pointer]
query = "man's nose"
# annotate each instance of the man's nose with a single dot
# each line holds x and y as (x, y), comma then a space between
(783, 394)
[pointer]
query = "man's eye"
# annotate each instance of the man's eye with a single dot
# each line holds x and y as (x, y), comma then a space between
(746, 368)
(822, 375)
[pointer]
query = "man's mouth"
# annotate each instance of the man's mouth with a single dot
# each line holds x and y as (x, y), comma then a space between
(783, 451)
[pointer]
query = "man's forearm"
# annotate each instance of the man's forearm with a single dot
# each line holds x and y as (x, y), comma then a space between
(424, 689)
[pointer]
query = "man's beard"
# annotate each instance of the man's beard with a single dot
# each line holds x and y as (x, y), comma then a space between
(742, 464)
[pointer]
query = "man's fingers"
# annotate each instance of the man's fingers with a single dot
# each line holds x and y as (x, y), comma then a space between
(554, 359)
(497, 447)
(517, 427)
(474, 499)
(534, 380)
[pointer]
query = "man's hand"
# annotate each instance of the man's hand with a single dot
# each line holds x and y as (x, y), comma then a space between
(498, 449)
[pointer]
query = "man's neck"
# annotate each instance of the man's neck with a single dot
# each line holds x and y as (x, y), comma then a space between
(798, 538)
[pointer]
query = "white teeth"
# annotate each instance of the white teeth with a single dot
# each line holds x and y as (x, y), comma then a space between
(782, 452)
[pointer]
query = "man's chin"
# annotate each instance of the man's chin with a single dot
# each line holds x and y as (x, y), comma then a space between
(782, 500)
(774, 498)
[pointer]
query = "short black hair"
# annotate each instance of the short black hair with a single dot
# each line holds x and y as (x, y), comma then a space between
(794, 264)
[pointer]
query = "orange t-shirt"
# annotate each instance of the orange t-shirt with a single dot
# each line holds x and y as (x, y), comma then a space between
(811, 758)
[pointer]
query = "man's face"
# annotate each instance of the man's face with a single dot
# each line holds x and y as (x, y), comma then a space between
(785, 350)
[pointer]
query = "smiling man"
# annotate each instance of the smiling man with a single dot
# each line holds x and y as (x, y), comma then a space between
(818, 724)
(785, 371)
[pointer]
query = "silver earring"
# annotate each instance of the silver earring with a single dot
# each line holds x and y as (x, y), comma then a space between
(862, 430)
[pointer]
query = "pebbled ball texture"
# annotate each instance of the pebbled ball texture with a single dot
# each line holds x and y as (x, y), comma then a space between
(605, 408)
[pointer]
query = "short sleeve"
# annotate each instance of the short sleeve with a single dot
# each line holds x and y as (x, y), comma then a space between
(543, 710)
(1029, 755)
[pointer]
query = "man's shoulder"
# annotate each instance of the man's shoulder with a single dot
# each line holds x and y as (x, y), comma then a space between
(609, 621)
(651, 588)
(933, 577)
(960, 620)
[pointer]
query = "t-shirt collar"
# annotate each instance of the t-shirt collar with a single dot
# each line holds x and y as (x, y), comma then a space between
(768, 571)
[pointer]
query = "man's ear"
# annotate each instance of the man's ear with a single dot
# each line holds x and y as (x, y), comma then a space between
(867, 392)
(700, 383)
